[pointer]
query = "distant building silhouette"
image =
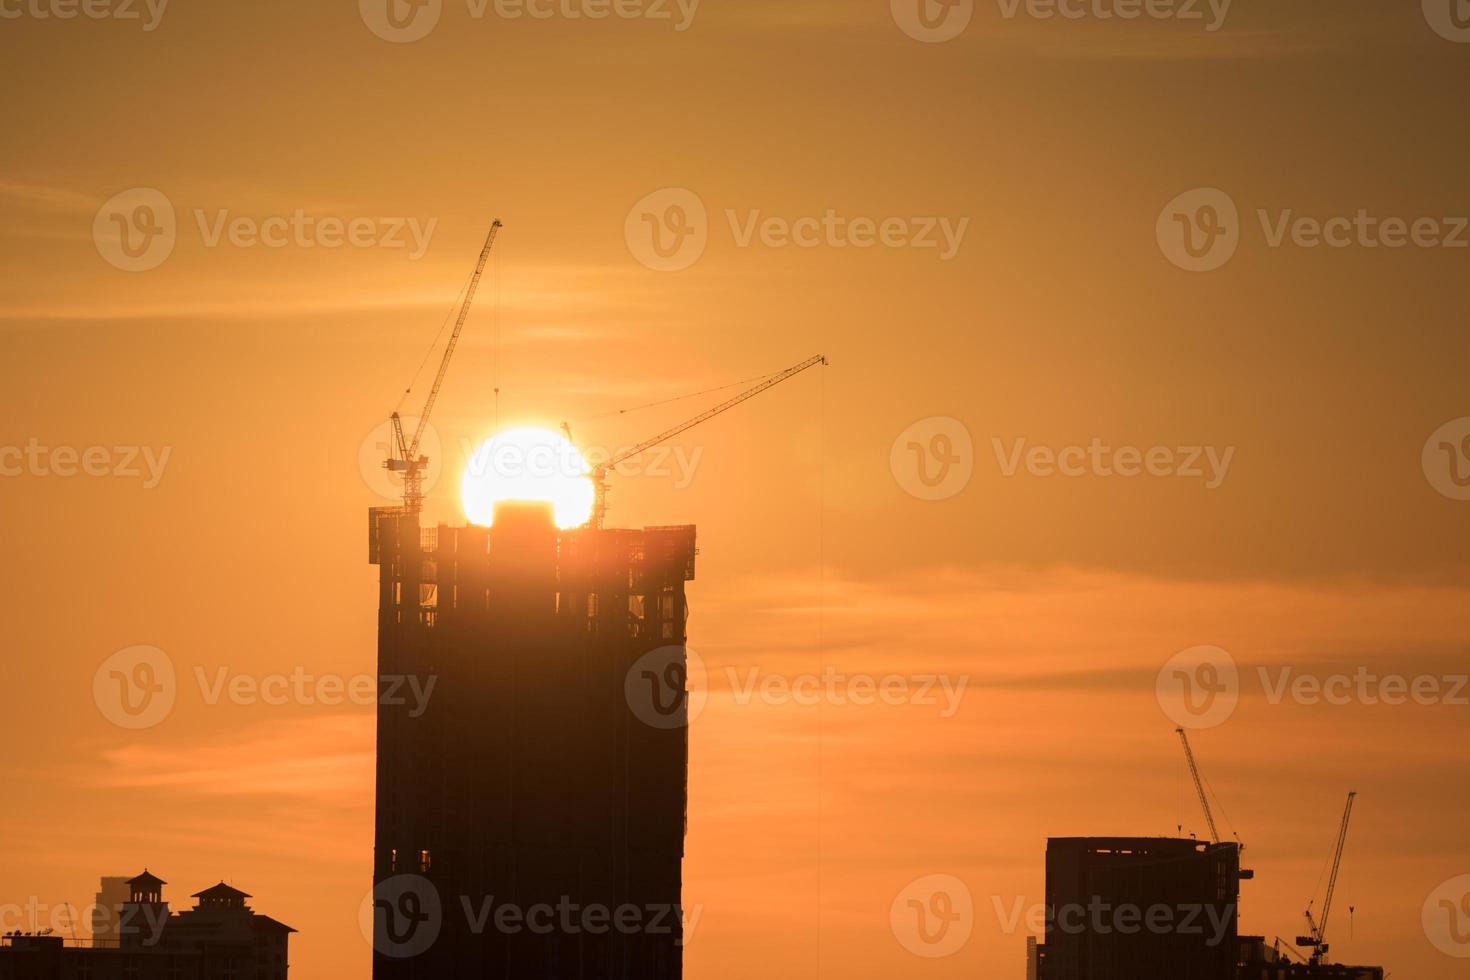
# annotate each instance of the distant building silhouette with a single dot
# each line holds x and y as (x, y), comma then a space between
(111, 897)
(1156, 908)
(1126, 908)
(221, 937)
(530, 823)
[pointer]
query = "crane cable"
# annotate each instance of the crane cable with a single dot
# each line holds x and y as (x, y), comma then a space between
(1221, 807)
(434, 343)
(679, 398)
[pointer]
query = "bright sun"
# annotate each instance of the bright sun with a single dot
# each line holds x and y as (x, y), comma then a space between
(528, 463)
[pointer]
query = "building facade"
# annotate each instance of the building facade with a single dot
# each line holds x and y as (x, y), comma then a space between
(530, 804)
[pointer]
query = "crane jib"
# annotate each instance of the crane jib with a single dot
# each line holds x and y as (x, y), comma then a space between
(464, 312)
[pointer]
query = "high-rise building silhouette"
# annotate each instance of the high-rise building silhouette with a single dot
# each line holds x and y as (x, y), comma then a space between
(1140, 908)
(1128, 908)
(530, 818)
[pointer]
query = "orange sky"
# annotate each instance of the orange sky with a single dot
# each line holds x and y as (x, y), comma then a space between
(1058, 320)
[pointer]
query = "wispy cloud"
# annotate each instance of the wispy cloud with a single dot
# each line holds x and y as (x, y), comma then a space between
(309, 758)
(47, 197)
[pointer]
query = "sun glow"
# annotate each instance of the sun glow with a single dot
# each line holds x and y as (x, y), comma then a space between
(528, 463)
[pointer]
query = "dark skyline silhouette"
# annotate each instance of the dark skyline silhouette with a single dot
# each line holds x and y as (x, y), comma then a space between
(221, 937)
(1162, 908)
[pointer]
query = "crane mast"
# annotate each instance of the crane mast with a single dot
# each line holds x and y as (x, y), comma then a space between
(1316, 939)
(599, 473)
(405, 456)
(1199, 786)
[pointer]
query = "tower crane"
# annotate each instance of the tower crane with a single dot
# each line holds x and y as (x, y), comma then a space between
(1199, 786)
(405, 456)
(600, 471)
(1316, 939)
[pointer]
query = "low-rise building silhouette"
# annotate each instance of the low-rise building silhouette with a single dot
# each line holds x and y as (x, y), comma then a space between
(107, 909)
(220, 938)
(1157, 908)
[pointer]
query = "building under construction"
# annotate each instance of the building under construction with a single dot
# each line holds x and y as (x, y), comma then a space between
(1167, 908)
(529, 781)
(1133, 907)
(531, 812)
(1161, 908)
